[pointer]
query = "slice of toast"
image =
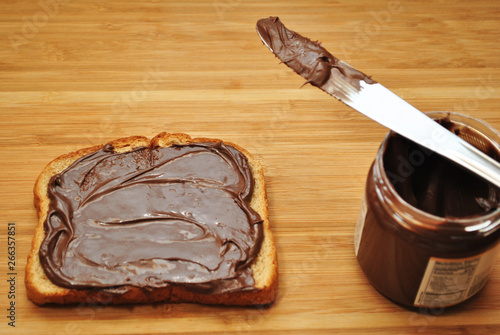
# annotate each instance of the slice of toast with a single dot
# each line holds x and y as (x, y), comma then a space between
(264, 268)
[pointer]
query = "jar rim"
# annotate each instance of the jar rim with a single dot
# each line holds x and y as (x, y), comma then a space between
(478, 223)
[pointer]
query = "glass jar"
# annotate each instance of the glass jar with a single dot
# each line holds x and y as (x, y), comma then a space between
(428, 231)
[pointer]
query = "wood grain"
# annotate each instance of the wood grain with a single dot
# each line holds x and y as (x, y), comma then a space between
(78, 73)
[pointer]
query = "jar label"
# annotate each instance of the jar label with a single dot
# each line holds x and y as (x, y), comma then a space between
(448, 282)
(360, 225)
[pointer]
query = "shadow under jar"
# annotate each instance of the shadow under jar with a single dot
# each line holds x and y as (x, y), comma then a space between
(428, 230)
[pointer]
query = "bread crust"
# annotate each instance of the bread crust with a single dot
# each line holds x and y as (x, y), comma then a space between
(41, 290)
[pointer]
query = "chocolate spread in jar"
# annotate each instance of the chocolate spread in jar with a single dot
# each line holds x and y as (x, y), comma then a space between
(435, 184)
(432, 213)
(153, 217)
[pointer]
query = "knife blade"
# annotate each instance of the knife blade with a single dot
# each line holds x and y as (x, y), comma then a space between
(360, 92)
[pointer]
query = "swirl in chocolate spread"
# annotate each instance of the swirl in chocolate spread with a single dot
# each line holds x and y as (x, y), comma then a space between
(153, 217)
(308, 58)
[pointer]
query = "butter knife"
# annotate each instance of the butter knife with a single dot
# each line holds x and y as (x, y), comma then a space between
(360, 92)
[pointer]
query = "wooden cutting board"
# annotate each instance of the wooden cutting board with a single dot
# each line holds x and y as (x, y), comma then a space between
(79, 73)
